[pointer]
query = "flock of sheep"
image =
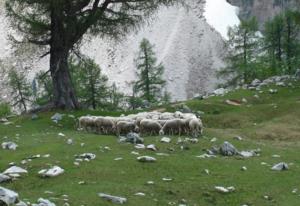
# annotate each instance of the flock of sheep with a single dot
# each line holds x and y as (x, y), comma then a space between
(146, 123)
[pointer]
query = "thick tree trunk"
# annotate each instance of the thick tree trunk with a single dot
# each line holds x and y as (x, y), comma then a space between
(64, 93)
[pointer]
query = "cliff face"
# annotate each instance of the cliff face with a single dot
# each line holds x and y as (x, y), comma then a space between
(263, 10)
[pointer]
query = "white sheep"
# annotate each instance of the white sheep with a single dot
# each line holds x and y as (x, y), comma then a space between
(87, 123)
(150, 126)
(195, 127)
(173, 126)
(124, 127)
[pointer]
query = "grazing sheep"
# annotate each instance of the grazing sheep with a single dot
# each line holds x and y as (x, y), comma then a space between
(172, 127)
(196, 127)
(108, 125)
(87, 123)
(149, 126)
(124, 127)
(166, 116)
(145, 122)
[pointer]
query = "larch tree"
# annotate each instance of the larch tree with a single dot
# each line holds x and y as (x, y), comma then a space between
(91, 85)
(21, 91)
(60, 25)
(150, 73)
(243, 50)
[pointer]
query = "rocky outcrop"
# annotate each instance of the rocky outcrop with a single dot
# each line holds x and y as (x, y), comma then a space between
(263, 9)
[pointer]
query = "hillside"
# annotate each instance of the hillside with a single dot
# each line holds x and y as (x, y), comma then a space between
(266, 121)
(190, 48)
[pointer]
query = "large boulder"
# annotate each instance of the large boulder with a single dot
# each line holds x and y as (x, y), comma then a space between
(9, 145)
(52, 172)
(4, 178)
(134, 138)
(8, 197)
(227, 149)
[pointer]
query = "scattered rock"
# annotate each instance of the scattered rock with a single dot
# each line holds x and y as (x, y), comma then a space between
(69, 141)
(224, 189)
(167, 179)
(233, 102)
(52, 172)
(244, 168)
(220, 91)
(140, 194)
(133, 138)
(57, 117)
(165, 140)
(8, 197)
(146, 159)
(86, 156)
(15, 170)
(238, 138)
(280, 166)
(135, 153)
(44, 202)
(34, 116)
(273, 91)
(150, 183)
(4, 178)
(61, 134)
(204, 156)
(3, 120)
(114, 199)
(227, 149)
(9, 145)
(247, 154)
(207, 171)
(151, 147)
(140, 146)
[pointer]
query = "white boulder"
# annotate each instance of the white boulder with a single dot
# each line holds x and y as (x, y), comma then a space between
(114, 199)
(52, 172)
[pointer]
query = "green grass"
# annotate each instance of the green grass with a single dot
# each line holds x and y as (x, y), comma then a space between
(273, 130)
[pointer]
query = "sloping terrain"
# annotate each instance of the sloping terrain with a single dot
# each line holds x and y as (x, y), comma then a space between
(269, 122)
(190, 49)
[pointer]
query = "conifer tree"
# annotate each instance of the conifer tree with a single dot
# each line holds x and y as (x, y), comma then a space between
(20, 88)
(90, 84)
(60, 25)
(150, 73)
(243, 47)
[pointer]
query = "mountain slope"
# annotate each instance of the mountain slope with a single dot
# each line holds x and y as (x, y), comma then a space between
(190, 48)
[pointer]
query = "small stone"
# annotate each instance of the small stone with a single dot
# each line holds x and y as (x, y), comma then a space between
(139, 146)
(140, 194)
(224, 189)
(207, 171)
(165, 140)
(9, 145)
(52, 172)
(146, 159)
(151, 147)
(114, 199)
(244, 168)
(150, 183)
(69, 141)
(280, 167)
(167, 179)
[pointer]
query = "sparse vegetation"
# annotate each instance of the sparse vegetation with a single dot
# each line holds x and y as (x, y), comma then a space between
(270, 123)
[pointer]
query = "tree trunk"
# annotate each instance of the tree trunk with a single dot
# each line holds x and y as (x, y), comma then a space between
(64, 93)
